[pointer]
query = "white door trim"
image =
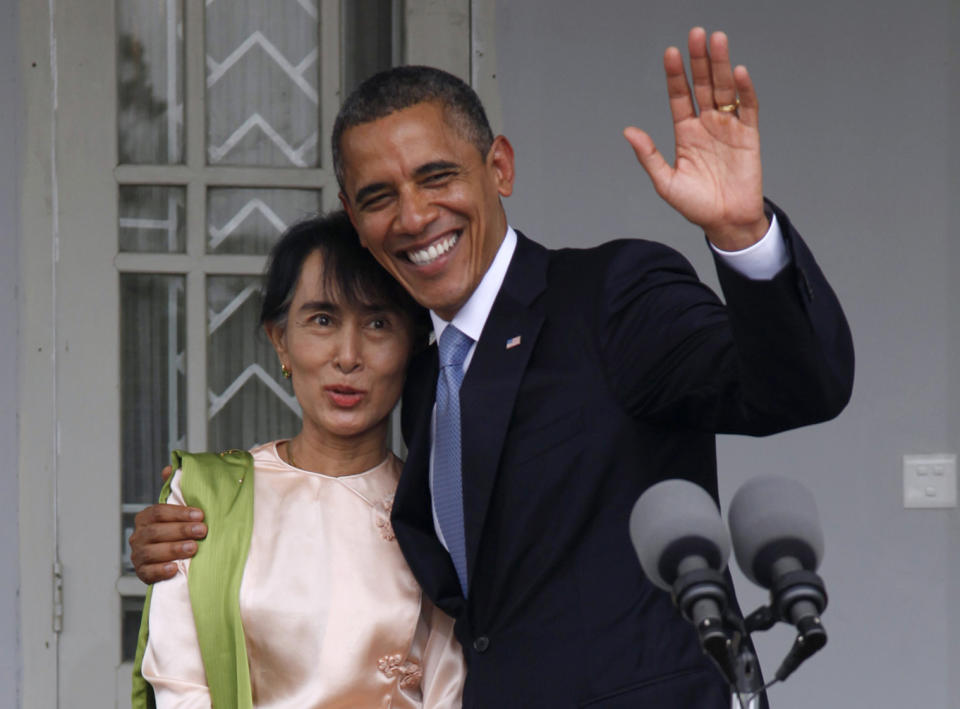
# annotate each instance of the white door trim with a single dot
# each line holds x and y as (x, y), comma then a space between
(37, 362)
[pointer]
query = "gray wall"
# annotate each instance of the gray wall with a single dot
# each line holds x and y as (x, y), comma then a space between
(10, 132)
(859, 146)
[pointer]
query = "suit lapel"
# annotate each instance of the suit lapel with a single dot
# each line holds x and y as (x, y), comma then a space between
(492, 381)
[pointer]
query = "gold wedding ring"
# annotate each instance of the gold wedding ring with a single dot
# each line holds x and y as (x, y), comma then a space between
(729, 107)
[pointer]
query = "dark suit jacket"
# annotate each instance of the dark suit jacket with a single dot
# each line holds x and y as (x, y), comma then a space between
(627, 366)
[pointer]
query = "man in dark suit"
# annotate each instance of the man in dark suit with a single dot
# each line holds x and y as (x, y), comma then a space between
(587, 376)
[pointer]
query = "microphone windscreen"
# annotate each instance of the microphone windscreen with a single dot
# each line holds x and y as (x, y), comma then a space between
(672, 520)
(772, 518)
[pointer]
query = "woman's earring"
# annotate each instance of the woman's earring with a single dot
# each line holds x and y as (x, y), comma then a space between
(284, 371)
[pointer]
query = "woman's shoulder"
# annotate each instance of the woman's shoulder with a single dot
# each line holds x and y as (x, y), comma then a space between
(266, 452)
(231, 461)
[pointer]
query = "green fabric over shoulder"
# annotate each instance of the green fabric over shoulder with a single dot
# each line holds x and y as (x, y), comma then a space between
(222, 486)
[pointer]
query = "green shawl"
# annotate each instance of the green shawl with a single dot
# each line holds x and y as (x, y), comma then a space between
(222, 486)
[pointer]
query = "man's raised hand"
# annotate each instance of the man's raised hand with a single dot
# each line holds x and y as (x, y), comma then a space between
(716, 181)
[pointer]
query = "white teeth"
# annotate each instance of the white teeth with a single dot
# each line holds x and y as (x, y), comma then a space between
(434, 251)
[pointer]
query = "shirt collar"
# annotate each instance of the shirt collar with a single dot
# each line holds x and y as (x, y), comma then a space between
(471, 318)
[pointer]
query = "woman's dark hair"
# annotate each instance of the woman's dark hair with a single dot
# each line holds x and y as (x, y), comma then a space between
(348, 270)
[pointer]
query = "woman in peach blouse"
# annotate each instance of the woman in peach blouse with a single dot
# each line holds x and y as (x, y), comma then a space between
(331, 615)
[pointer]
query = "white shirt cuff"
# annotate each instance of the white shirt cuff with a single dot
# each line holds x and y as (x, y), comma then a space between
(762, 260)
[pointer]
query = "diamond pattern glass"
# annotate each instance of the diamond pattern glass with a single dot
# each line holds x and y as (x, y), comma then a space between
(249, 401)
(249, 221)
(263, 67)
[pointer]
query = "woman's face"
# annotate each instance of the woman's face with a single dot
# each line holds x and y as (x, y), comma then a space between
(347, 362)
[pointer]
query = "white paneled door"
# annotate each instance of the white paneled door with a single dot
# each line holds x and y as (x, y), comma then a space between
(175, 140)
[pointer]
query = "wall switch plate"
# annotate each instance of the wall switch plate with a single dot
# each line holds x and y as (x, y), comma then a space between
(930, 480)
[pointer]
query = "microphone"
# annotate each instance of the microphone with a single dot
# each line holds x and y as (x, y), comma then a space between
(778, 543)
(683, 548)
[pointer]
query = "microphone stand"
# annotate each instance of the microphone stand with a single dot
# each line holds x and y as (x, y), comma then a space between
(746, 688)
(701, 596)
(746, 683)
(797, 598)
(739, 702)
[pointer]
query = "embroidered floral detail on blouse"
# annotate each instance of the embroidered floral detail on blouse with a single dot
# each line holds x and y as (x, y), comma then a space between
(382, 512)
(409, 672)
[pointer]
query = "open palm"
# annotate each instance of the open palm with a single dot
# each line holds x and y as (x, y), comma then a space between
(717, 180)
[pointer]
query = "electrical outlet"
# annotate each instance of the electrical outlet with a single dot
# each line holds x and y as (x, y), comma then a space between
(930, 480)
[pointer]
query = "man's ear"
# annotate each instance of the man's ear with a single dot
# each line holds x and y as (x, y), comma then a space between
(348, 208)
(500, 160)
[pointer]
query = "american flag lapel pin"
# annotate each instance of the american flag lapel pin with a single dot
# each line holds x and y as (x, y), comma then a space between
(513, 342)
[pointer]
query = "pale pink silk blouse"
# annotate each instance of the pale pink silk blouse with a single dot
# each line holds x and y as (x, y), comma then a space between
(332, 615)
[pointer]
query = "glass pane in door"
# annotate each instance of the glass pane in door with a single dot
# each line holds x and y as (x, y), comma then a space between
(152, 219)
(152, 387)
(369, 39)
(249, 220)
(150, 81)
(249, 401)
(263, 68)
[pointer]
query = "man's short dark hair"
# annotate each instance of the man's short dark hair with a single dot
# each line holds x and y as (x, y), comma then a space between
(406, 86)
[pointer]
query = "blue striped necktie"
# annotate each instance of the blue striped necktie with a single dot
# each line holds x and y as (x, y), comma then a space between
(447, 475)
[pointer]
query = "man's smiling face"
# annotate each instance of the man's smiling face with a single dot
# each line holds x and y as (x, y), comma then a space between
(426, 203)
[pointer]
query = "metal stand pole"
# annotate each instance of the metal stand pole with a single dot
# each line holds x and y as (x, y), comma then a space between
(746, 687)
(740, 701)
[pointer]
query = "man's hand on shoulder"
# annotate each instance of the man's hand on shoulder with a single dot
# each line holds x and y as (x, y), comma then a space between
(163, 534)
(717, 180)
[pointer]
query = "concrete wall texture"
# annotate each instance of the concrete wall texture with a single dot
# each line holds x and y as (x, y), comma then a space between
(11, 125)
(860, 149)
